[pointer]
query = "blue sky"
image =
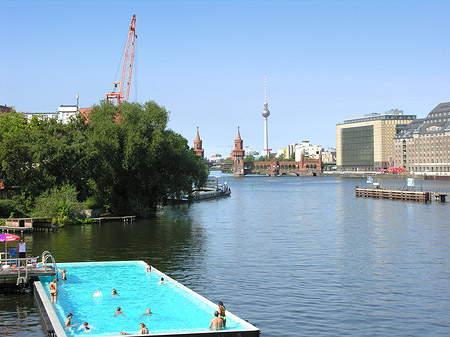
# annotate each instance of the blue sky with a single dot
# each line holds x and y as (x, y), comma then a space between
(205, 61)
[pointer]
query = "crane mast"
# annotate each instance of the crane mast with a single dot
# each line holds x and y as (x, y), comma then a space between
(127, 69)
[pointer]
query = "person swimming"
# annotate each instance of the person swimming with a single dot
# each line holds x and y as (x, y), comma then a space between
(144, 330)
(68, 321)
(97, 293)
(162, 281)
(148, 312)
(114, 292)
(119, 312)
(85, 327)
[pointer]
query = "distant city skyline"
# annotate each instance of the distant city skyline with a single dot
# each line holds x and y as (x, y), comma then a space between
(205, 61)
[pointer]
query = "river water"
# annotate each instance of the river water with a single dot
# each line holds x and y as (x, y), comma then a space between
(293, 256)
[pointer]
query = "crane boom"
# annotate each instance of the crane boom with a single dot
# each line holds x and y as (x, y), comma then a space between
(127, 69)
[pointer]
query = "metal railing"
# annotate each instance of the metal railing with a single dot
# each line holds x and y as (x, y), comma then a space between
(23, 265)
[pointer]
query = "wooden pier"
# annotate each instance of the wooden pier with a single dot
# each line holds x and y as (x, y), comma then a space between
(381, 193)
(125, 219)
(24, 225)
(20, 273)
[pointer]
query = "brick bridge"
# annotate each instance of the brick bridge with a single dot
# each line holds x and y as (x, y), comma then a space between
(273, 168)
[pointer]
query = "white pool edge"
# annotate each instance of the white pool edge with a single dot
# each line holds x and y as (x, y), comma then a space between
(51, 314)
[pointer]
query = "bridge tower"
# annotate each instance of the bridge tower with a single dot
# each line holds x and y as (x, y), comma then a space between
(238, 156)
(198, 149)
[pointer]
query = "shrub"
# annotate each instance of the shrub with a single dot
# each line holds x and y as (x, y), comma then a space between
(59, 203)
(7, 207)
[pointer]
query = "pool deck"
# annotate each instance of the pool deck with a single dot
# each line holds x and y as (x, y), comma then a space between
(54, 326)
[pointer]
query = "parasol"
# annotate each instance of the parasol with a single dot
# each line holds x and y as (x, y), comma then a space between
(8, 237)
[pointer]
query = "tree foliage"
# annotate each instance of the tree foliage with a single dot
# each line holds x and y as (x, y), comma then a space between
(124, 157)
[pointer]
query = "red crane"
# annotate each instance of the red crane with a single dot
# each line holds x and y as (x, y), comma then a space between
(124, 92)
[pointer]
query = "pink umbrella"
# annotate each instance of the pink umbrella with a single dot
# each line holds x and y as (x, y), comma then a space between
(8, 237)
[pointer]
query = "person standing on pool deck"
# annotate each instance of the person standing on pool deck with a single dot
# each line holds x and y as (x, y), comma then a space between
(22, 252)
(53, 291)
(222, 313)
(216, 322)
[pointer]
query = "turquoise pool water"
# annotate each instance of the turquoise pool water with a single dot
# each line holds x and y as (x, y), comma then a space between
(175, 310)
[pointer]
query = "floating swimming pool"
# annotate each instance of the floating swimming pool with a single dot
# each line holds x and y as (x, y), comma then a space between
(176, 310)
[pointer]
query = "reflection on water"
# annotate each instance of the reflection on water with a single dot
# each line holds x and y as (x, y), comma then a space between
(294, 256)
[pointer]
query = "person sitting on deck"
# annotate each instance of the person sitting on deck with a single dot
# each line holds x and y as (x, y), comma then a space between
(68, 322)
(114, 292)
(119, 312)
(216, 322)
(162, 281)
(144, 330)
(148, 312)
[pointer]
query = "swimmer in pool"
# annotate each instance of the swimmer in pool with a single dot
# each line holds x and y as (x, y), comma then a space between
(85, 327)
(119, 312)
(53, 291)
(216, 322)
(148, 312)
(148, 269)
(114, 293)
(162, 281)
(97, 293)
(222, 313)
(144, 330)
(68, 322)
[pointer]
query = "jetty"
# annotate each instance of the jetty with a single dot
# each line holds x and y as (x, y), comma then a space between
(394, 194)
(125, 219)
(21, 273)
(23, 225)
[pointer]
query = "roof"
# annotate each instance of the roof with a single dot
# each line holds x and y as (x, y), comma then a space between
(437, 121)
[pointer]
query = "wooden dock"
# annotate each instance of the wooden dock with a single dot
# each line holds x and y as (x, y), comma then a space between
(20, 273)
(125, 219)
(381, 193)
(24, 225)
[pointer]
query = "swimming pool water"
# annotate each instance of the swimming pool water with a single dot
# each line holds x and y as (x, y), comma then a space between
(174, 309)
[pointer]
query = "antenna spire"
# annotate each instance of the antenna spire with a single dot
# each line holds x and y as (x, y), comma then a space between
(265, 89)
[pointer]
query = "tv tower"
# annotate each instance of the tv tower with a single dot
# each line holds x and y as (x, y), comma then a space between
(266, 113)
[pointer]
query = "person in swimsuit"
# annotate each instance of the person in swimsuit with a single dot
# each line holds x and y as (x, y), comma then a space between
(148, 269)
(148, 312)
(216, 322)
(114, 292)
(68, 322)
(97, 293)
(118, 312)
(53, 291)
(222, 313)
(85, 327)
(162, 281)
(63, 274)
(144, 330)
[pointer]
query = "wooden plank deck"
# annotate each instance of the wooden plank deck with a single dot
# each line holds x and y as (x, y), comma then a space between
(380, 193)
(126, 218)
